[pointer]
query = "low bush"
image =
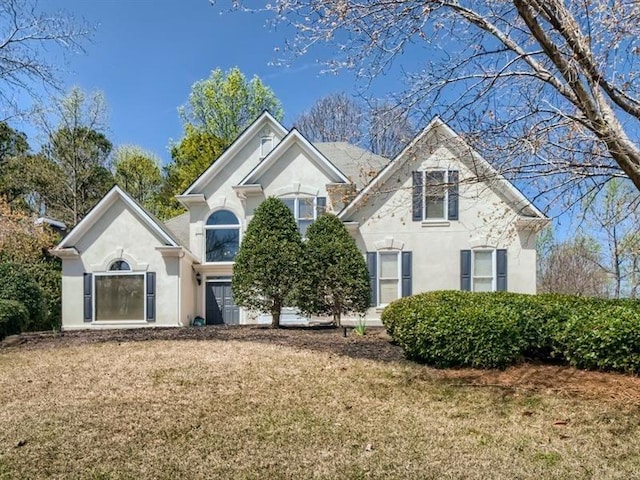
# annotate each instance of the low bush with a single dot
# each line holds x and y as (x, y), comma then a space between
(13, 317)
(452, 328)
(606, 337)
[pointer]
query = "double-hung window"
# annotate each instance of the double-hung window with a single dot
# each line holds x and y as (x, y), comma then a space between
(435, 195)
(388, 277)
(305, 210)
(483, 271)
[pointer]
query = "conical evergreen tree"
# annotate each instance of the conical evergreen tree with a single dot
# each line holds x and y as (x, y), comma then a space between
(268, 264)
(336, 279)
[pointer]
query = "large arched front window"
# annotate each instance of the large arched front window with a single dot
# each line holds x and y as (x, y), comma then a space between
(119, 293)
(222, 236)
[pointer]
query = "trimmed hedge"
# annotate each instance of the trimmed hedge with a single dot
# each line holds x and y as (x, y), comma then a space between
(13, 317)
(494, 330)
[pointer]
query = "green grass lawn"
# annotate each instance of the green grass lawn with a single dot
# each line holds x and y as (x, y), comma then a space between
(242, 409)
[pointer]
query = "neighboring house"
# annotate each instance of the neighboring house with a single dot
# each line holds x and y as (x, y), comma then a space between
(437, 216)
(55, 225)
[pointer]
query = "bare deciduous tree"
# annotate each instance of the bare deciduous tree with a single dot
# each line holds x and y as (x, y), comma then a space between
(389, 129)
(611, 218)
(549, 90)
(73, 171)
(334, 118)
(374, 125)
(25, 36)
(573, 268)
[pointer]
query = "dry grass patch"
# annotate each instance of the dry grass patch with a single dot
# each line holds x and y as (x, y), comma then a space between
(242, 409)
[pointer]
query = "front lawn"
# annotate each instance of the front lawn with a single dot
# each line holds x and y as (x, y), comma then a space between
(250, 403)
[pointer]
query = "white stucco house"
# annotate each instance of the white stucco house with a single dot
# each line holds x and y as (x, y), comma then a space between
(437, 216)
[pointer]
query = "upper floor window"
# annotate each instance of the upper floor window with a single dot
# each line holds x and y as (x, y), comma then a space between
(305, 210)
(266, 145)
(435, 195)
(222, 236)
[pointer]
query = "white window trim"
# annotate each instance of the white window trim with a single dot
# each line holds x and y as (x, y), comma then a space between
(206, 227)
(494, 268)
(296, 206)
(439, 221)
(398, 273)
(112, 274)
(263, 142)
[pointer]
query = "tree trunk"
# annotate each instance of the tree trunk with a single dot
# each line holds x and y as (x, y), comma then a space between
(275, 315)
(336, 318)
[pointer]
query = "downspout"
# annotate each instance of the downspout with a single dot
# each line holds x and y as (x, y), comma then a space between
(180, 257)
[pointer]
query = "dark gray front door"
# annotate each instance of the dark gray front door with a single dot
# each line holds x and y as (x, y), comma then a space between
(220, 306)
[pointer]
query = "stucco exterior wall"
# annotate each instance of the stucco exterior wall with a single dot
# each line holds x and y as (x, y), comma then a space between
(219, 191)
(119, 234)
(188, 292)
(486, 220)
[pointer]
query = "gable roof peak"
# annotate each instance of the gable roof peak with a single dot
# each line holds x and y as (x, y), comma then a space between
(515, 195)
(243, 138)
(116, 193)
(294, 136)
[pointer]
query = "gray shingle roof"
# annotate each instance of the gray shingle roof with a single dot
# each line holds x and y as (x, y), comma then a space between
(356, 163)
(179, 226)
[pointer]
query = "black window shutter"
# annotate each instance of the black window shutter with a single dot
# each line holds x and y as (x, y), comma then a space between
(453, 195)
(465, 270)
(151, 296)
(372, 266)
(501, 270)
(87, 291)
(406, 274)
(321, 206)
(417, 196)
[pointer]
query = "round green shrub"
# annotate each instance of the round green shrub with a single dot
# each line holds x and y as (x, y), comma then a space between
(13, 317)
(452, 328)
(16, 283)
(605, 337)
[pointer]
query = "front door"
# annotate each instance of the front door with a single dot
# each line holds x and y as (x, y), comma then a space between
(220, 306)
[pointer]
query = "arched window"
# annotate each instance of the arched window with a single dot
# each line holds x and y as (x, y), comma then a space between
(120, 266)
(222, 236)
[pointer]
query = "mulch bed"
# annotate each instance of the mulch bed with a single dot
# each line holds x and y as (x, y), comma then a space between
(375, 345)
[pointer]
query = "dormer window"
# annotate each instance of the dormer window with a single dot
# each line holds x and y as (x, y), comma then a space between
(266, 145)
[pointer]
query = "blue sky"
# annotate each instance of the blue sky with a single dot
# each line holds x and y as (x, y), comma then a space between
(146, 54)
